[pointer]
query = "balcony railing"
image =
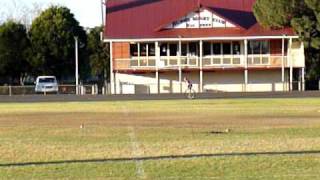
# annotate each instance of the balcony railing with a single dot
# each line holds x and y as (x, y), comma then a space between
(167, 62)
(143, 62)
(207, 62)
(230, 60)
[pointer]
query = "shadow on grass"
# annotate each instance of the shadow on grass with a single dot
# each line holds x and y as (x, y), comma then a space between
(150, 158)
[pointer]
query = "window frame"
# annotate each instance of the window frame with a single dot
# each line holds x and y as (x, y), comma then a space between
(251, 50)
(253, 57)
(140, 56)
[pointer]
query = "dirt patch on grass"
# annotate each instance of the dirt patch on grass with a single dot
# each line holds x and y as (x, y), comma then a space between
(154, 119)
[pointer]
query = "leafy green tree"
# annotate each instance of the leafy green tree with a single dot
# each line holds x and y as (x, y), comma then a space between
(98, 54)
(273, 13)
(14, 51)
(52, 38)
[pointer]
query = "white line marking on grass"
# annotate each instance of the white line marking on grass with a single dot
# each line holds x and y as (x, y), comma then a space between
(135, 147)
(286, 176)
(136, 153)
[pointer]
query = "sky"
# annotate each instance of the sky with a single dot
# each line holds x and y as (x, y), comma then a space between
(87, 12)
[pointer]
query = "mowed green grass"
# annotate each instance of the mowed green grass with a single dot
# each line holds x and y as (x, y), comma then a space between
(267, 139)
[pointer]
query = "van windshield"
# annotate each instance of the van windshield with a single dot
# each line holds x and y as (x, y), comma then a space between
(47, 80)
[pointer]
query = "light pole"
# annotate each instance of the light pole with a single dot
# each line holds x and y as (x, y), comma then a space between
(76, 65)
(103, 2)
(103, 24)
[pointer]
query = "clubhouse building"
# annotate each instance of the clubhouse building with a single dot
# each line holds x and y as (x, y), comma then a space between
(217, 44)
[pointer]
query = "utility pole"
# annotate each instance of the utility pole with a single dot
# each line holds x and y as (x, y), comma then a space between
(77, 65)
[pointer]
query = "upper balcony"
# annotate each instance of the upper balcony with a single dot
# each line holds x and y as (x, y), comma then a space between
(214, 55)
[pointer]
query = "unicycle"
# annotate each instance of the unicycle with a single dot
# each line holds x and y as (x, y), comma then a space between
(190, 94)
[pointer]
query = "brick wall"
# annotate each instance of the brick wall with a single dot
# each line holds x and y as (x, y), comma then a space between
(121, 52)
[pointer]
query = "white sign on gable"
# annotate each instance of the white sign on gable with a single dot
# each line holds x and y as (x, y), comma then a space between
(202, 19)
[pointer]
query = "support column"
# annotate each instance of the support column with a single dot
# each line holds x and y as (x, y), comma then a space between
(303, 86)
(201, 66)
(112, 79)
(246, 73)
(117, 84)
(179, 63)
(282, 64)
(291, 65)
(245, 65)
(157, 48)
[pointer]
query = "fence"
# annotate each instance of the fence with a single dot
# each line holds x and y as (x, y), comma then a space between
(152, 88)
(62, 89)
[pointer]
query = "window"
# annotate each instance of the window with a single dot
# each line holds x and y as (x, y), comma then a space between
(134, 49)
(227, 48)
(184, 50)
(143, 49)
(47, 80)
(151, 49)
(206, 49)
(163, 50)
(258, 47)
(236, 48)
(173, 49)
(265, 47)
(286, 44)
(193, 49)
(216, 48)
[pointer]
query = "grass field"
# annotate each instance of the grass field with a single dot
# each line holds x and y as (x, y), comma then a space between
(267, 139)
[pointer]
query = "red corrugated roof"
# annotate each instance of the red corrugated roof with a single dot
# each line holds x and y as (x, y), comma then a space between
(128, 19)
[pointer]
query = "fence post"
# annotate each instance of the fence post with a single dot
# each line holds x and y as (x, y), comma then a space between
(78, 89)
(83, 90)
(300, 86)
(10, 90)
(92, 90)
(106, 89)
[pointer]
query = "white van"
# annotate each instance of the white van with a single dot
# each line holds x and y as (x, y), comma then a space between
(46, 84)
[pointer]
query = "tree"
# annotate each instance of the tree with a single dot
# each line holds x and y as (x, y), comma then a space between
(304, 17)
(52, 38)
(98, 54)
(273, 13)
(14, 51)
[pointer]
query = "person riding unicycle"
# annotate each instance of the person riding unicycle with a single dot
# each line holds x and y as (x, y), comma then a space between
(190, 94)
(188, 82)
